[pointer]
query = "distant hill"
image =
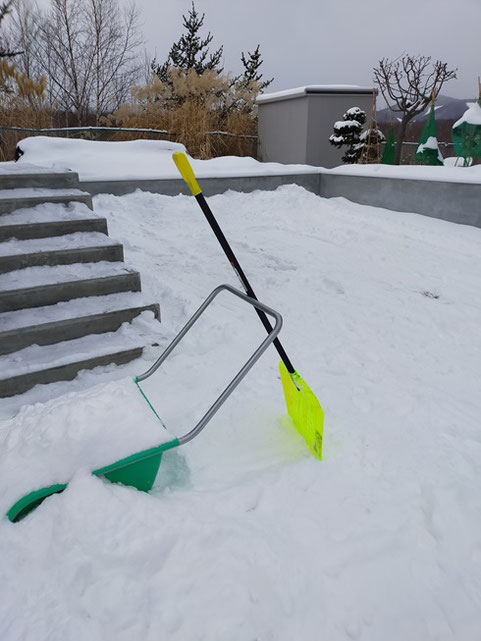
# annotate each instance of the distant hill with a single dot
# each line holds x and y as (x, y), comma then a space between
(447, 108)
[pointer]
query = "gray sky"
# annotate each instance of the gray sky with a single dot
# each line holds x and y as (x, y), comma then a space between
(328, 41)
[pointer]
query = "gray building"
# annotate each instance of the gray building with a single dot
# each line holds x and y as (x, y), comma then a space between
(295, 125)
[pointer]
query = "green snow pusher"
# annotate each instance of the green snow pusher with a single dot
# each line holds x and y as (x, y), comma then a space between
(140, 469)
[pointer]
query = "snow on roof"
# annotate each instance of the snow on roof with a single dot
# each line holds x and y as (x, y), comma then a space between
(313, 89)
(472, 116)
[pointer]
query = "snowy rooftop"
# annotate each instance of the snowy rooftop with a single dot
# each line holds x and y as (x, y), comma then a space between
(313, 89)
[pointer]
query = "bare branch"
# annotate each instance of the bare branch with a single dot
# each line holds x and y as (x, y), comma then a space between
(408, 84)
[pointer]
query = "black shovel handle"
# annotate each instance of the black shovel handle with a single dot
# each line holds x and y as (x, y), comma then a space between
(219, 234)
(187, 174)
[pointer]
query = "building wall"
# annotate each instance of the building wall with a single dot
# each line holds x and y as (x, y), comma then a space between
(324, 110)
(297, 130)
(283, 131)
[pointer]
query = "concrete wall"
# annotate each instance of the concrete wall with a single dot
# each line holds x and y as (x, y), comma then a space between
(455, 202)
(210, 186)
(282, 131)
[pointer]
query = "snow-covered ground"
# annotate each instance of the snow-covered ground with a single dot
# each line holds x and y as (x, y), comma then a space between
(245, 535)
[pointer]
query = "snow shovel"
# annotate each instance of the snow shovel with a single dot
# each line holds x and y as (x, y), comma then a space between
(302, 405)
(140, 469)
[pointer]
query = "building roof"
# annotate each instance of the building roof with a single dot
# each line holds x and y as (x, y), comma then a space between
(297, 92)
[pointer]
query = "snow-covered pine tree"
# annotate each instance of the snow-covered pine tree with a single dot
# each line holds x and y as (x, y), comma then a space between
(252, 63)
(191, 51)
(371, 140)
(347, 132)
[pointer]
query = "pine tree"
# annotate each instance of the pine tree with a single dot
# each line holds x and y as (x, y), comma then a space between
(348, 132)
(371, 140)
(252, 63)
(191, 51)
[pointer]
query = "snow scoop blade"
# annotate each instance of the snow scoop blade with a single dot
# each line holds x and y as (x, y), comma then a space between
(304, 409)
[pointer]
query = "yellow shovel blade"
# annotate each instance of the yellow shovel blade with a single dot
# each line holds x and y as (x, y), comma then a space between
(304, 409)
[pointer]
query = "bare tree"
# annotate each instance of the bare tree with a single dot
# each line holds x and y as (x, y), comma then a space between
(5, 52)
(87, 49)
(408, 84)
(116, 44)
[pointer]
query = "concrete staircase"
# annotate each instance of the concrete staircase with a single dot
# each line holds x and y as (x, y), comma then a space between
(67, 300)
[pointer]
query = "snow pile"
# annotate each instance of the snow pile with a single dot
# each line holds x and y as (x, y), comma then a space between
(472, 115)
(48, 443)
(147, 159)
(245, 535)
(11, 167)
(431, 143)
(447, 173)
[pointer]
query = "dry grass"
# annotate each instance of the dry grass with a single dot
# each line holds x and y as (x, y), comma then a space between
(190, 107)
(22, 104)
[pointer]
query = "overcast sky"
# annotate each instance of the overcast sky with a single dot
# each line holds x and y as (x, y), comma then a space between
(328, 41)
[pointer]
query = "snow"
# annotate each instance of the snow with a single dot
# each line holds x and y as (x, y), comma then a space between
(302, 91)
(13, 168)
(458, 161)
(355, 111)
(147, 159)
(431, 143)
(48, 212)
(39, 192)
(472, 115)
(77, 240)
(84, 430)
(347, 124)
(152, 159)
(245, 535)
(51, 275)
(411, 172)
(36, 357)
(74, 308)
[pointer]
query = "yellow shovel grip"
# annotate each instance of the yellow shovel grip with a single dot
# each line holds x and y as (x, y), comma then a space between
(185, 170)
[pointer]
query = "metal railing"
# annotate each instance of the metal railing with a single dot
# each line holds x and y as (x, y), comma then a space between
(100, 130)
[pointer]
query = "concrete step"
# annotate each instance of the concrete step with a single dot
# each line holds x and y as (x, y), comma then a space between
(24, 231)
(13, 262)
(48, 333)
(14, 199)
(65, 372)
(33, 365)
(17, 178)
(41, 286)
